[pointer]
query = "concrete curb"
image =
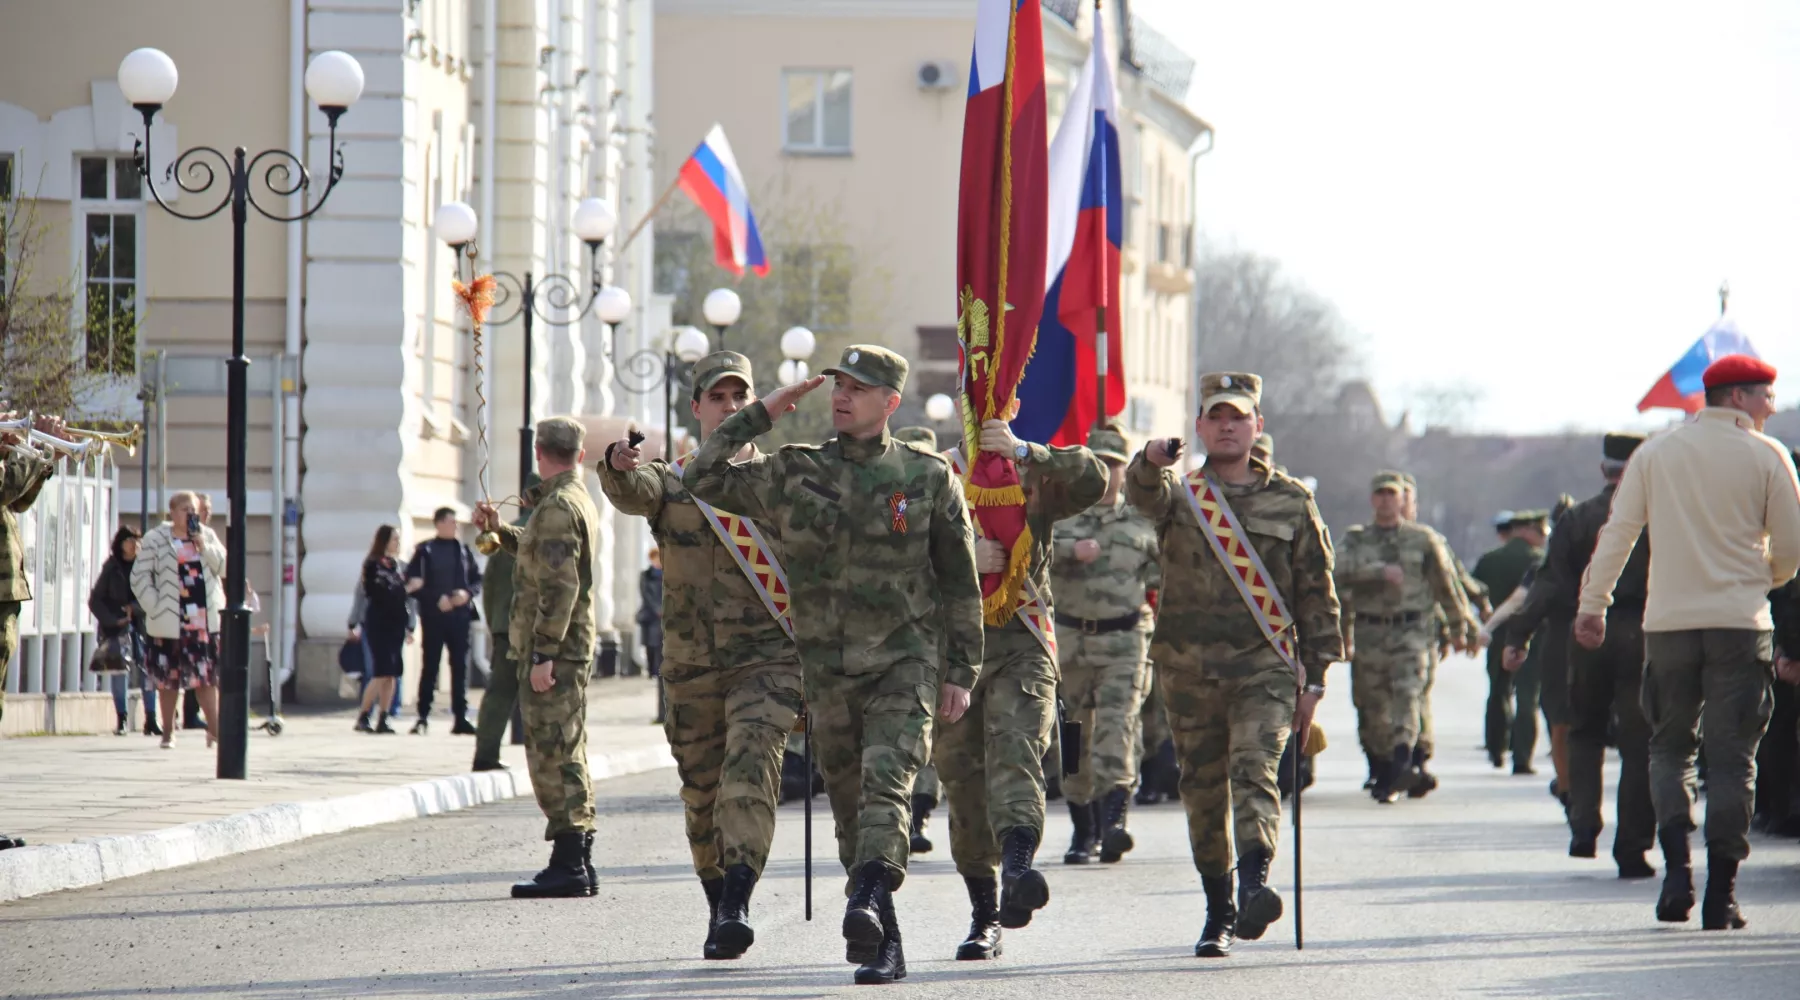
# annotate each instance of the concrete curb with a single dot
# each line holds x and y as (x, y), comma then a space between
(32, 871)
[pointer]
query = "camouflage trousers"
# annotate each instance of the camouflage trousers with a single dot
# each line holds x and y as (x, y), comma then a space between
(9, 643)
(556, 746)
(871, 734)
(1103, 687)
(1229, 736)
(1387, 684)
(1427, 735)
(728, 730)
(927, 784)
(992, 759)
(1153, 728)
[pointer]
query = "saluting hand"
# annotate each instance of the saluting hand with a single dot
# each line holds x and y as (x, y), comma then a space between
(625, 457)
(781, 402)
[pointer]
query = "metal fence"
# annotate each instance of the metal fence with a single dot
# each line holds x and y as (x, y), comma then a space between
(67, 537)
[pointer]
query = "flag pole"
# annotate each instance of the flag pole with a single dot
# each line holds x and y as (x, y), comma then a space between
(1724, 295)
(668, 192)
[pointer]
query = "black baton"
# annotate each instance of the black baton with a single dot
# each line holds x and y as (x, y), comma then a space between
(806, 758)
(1299, 908)
(1069, 734)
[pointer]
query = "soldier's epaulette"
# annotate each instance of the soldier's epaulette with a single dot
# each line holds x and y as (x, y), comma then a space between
(803, 447)
(1355, 528)
(923, 449)
(1290, 483)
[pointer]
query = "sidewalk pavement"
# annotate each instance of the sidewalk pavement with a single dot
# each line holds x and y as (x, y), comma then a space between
(98, 808)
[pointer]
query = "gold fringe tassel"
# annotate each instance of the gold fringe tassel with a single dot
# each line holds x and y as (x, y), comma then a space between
(995, 496)
(998, 607)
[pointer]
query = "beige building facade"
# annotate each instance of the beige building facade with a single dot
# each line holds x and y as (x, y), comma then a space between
(855, 108)
(363, 400)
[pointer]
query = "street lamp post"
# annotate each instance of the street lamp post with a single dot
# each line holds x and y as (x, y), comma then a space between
(552, 299)
(147, 79)
(797, 344)
(722, 307)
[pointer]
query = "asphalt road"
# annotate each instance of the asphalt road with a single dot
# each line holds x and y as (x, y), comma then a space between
(1468, 893)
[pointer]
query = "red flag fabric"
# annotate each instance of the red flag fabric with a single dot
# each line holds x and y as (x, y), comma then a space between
(1002, 242)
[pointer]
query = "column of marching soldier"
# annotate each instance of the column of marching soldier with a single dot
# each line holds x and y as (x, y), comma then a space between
(840, 583)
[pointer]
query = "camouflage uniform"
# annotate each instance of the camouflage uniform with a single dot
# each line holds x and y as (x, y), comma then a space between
(21, 477)
(552, 618)
(928, 791)
(991, 760)
(731, 675)
(1394, 636)
(1231, 698)
(1104, 672)
(881, 567)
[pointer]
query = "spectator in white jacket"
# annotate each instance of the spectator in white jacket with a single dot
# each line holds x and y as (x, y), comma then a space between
(179, 581)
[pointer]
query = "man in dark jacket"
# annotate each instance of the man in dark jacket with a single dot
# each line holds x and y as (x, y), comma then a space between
(1778, 759)
(1501, 570)
(444, 580)
(1604, 682)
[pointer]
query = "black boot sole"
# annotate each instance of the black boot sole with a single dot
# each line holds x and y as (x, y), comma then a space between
(1212, 949)
(528, 891)
(1257, 913)
(1636, 870)
(974, 951)
(1078, 858)
(1116, 845)
(1674, 909)
(1732, 920)
(1425, 785)
(732, 938)
(1022, 897)
(1583, 848)
(862, 937)
(867, 976)
(920, 845)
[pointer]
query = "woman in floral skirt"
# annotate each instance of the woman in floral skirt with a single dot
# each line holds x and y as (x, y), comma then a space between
(179, 581)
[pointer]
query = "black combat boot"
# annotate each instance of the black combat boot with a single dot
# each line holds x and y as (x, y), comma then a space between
(1149, 790)
(921, 815)
(1719, 910)
(712, 887)
(564, 877)
(1424, 782)
(488, 765)
(8, 841)
(1258, 904)
(1023, 890)
(1374, 777)
(362, 724)
(1677, 898)
(983, 941)
(1221, 918)
(862, 914)
(734, 934)
(1633, 864)
(1584, 844)
(1115, 840)
(587, 863)
(1405, 776)
(889, 963)
(1388, 773)
(1082, 844)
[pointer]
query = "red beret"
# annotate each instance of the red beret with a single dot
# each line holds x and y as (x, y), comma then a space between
(1738, 369)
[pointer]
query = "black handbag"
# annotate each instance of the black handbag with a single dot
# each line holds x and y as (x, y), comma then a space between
(114, 654)
(350, 656)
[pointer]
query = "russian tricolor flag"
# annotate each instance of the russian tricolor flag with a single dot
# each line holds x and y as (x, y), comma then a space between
(711, 178)
(1058, 400)
(1680, 388)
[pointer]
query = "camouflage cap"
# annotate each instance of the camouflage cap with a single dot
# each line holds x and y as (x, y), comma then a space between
(872, 365)
(1108, 443)
(1264, 448)
(561, 433)
(708, 371)
(917, 435)
(1617, 447)
(1411, 483)
(1388, 480)
(1241, 389)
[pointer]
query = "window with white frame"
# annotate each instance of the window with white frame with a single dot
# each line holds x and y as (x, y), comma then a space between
(816, 111)
(110, 216)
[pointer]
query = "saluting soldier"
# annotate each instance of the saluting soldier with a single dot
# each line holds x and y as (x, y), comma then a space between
(992, 760)
(881, 562)
(552, 641)
(1242, 663)
(1106, 565)
(1393, 573)
(729, 668)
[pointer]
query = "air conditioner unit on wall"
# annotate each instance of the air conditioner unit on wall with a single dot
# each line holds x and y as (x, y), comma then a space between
(935, 74)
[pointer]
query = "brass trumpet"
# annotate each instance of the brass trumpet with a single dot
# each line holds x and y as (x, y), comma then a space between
(128, 440)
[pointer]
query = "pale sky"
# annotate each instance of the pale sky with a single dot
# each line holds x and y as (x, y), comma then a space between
(1539, 199)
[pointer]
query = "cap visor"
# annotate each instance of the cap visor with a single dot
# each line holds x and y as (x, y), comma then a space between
(705, 385)
(1236, 400)
(861, 376)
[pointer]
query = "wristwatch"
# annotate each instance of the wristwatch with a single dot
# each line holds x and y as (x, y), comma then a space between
(1022, 452)
(539, 659)
(1318, 689)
